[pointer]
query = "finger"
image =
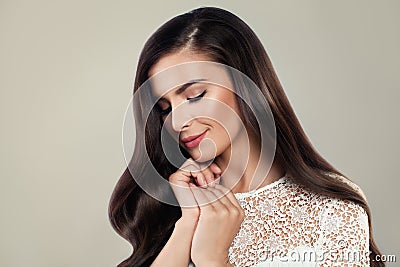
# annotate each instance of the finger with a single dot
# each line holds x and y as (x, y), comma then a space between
(200, 179)
(179, 182)
(190, 166)
(219, 198)
(209, 176)
(230, 201)
(194, 169)
(215, 199)
(226, 203)
(180, 177)
(229, 195)
(202, 200)
(211, 173)
(215, 169)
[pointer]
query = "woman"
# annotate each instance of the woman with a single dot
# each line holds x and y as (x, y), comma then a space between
(299, 205)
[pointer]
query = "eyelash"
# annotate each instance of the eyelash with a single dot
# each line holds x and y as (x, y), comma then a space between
(191, 100)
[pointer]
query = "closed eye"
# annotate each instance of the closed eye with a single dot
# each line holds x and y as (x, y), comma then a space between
(164, 112)
(196, 98)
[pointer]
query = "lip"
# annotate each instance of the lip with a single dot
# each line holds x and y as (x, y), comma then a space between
(194, 140)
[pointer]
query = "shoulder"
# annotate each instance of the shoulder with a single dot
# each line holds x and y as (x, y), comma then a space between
(340, 213)
(343, 213)
(336, 216)
(348, 182)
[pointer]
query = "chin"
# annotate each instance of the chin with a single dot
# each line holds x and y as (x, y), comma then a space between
(206, 151)
(202, 158)
(203, 155)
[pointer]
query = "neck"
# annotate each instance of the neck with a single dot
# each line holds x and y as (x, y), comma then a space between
(242, 168)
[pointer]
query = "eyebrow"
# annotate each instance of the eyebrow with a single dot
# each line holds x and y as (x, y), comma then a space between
(185, 86)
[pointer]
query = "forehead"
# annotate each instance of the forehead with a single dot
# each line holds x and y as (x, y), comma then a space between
(174, 70)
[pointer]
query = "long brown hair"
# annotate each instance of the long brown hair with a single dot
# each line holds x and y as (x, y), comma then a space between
(147, 223)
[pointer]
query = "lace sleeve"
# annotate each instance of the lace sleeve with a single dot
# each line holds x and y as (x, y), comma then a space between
(344, 235)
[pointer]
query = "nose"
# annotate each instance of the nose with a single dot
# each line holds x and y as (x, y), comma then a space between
(180, 118)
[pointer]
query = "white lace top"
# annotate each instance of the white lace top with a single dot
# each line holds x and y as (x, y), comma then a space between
(286, 225)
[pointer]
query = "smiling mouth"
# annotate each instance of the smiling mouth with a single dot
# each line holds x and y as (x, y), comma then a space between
(193, 141)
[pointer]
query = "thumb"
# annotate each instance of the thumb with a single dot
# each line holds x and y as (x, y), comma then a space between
(179, 182)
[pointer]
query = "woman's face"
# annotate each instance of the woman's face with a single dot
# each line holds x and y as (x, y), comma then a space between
(204, 117)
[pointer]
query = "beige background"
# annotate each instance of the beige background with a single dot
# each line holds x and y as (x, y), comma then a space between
(66, 74)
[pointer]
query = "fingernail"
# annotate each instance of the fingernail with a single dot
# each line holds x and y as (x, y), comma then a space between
(219, 169)
(203, 181)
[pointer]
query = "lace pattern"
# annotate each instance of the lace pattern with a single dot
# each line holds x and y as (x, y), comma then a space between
(283, 217)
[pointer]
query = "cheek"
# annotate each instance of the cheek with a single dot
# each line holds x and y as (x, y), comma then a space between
(222, 139)
(219, 139)
(223, 114)
(219, 113)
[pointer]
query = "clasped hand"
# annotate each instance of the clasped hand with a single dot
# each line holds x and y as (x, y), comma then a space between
(215, 213)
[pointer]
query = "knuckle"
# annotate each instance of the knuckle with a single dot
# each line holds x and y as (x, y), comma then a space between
(235, 212)
(224, 213)
(210, 215)
(176, 177)
(171, 178)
